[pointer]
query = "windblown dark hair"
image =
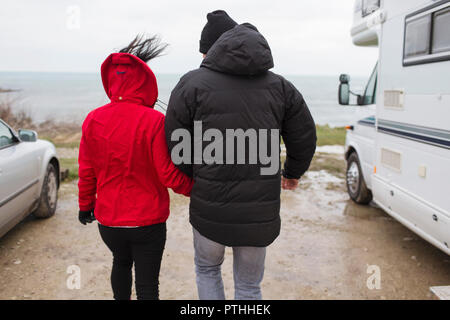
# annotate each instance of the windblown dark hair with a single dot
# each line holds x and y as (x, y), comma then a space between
(145, 48)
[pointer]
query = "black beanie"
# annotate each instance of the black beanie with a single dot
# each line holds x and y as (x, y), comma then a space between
(218, 23)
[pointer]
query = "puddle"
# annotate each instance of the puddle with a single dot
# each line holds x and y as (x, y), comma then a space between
(353, 209)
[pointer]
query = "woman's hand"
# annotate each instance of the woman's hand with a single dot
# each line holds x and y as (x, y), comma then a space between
(86, 216)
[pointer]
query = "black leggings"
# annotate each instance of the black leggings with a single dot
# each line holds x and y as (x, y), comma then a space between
(144, 246)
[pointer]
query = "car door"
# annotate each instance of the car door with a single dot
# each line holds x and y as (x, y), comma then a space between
(18, 177)
(367, 127)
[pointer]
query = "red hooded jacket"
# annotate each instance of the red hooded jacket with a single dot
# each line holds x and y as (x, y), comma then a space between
(124, 163)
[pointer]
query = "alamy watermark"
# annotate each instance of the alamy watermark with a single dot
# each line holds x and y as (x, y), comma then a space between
(73, 21)
(374, 280)
(74, 280)
(241, 147)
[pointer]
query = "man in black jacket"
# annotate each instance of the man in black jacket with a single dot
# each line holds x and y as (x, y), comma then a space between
(235, 200)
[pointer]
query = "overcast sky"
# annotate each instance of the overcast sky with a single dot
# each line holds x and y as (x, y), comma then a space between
(307, 37)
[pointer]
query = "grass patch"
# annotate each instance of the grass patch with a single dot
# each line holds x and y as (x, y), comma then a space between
(327, 136)
(67, 135)
(72, 165)
(71, 145)
(332, 165)
(58, 144)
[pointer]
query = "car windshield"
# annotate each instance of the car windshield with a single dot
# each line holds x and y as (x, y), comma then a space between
(6, 137)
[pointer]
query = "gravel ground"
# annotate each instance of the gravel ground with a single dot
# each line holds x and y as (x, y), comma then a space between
(324, 250)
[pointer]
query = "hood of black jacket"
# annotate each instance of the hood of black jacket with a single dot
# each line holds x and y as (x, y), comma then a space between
(240, 51)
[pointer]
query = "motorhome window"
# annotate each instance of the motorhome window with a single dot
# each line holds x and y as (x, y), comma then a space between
(369, 6)
(427, 38)
(417, 37)
(441, 31)
(371, 89)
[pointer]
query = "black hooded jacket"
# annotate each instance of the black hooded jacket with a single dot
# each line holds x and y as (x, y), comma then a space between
(234, 204)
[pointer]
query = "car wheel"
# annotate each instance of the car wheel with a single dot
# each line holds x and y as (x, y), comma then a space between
(49, 194)
(356, 186)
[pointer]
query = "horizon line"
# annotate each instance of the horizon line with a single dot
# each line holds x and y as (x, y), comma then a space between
(169, 73)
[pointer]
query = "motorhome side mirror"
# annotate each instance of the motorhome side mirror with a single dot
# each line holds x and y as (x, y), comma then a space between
(344, 90)
(344, 78)
(28, 135)
(360, 100)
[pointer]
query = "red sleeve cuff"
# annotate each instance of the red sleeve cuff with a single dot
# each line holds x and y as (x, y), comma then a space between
(87, 208)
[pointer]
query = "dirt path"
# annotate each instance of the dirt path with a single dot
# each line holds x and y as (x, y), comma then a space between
(323, 252)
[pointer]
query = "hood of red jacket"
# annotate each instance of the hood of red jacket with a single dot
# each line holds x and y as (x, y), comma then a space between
(127, 78)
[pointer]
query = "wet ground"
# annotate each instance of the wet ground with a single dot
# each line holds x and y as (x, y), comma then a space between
(325, 250)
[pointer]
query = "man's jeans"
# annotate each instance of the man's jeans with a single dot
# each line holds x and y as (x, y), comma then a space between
(248, 270)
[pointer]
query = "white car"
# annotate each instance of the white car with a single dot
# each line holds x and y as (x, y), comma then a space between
(29, 177)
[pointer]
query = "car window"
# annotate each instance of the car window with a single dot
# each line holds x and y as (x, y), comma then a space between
(6, 137)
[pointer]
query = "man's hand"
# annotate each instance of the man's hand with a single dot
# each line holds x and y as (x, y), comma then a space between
(86, 216)
(289, 184)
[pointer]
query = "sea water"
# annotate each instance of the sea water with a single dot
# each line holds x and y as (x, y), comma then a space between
(70, 96)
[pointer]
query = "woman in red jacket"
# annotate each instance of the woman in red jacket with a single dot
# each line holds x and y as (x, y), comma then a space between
(125, 170)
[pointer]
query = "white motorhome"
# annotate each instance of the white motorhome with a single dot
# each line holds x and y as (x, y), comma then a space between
(399, 155)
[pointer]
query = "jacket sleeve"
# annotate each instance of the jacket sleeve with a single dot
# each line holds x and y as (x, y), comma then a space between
(168, 174)
(299, 134)
(179, 116)
(87, 183)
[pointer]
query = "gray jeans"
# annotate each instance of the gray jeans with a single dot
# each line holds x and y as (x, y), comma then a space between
(248, 270)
